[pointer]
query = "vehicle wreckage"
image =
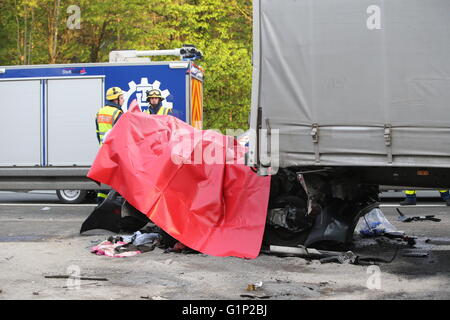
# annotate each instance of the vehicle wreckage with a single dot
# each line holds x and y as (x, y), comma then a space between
(327, 128)
(219, 207)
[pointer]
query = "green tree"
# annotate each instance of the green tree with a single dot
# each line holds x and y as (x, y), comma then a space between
(36, 32)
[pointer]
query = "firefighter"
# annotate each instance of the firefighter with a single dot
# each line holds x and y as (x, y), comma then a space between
(108, 116)
(105, 119)
(411, 197)
(155, 99)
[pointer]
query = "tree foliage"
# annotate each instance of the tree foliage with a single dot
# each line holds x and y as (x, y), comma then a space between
(37, 32)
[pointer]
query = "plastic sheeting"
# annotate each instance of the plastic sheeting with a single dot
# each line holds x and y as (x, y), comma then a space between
(191, 183)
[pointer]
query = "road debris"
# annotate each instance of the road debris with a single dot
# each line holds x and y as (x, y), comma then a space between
(322, 257)
(404, 218)
(254, 286)
(301, 251)
(344, 258)
(75, 277)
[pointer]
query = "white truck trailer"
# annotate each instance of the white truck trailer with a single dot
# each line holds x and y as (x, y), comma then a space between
(347, 96)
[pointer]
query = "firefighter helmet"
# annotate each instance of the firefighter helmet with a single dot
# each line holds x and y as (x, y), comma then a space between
(114, 93)
(154, 93)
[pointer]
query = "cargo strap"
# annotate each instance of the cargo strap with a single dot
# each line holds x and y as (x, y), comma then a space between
(388, 141)
(315, 138)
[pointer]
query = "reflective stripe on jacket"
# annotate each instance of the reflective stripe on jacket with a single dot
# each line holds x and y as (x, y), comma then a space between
(162, 111)
(106, 118)
(414, 192)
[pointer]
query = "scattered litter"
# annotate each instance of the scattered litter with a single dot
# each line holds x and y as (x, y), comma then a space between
(404, 218)
(107, 248)
(254, 286)
(128, 246)
(74, 277)
(139, 238)
(145, 240)
(393, 239)
(45, 209)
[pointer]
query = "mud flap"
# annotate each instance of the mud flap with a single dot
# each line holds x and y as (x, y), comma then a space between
(132, 219)
(106, 216)
(115, 215)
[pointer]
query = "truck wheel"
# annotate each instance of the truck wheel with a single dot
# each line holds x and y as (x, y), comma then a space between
(71, 196)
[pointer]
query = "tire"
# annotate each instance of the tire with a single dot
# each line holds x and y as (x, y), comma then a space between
(71, 196)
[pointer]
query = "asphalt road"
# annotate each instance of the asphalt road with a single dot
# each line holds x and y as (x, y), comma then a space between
(39, 236)
(36, 197)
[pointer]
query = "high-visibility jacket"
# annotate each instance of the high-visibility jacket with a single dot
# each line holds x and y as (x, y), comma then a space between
(412, 193)
(105, 119)
(162, 111)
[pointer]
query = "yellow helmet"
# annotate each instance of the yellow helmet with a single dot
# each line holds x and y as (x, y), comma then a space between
(154, 93)
(114, 93)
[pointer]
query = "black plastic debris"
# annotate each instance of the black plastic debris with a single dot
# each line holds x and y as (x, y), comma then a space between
(115, 215)
(403, 218)
(106, 216)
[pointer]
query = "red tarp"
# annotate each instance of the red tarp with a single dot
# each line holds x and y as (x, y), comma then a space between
(213, 204)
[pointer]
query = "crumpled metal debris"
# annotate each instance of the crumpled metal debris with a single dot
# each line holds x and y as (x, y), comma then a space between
(330, 256)
(404, 218)
(344, 258)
